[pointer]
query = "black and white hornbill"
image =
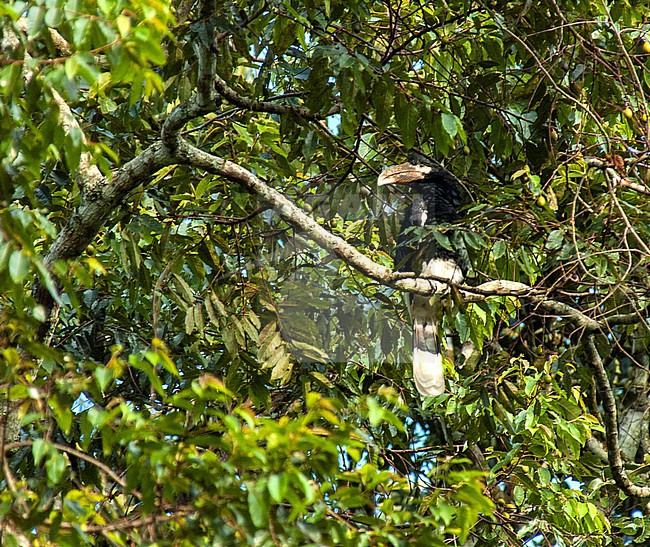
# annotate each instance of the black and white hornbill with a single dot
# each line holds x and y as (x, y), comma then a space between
(436, 200)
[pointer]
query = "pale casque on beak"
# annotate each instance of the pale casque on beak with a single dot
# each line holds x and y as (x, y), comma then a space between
(404, 173)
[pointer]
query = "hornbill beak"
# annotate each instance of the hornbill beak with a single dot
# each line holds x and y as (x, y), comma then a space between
(404, 173)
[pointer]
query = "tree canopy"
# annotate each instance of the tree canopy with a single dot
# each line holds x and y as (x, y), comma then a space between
(202, 338)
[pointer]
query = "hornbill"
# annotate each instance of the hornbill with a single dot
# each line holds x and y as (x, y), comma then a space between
(436, 201)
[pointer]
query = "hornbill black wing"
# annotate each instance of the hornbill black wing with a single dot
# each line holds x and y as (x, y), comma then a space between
(437, 200)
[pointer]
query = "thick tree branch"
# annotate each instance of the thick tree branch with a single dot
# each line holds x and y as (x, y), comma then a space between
(95, 207)
(569, 312)
(101, 194)
(595, 447)
(626, 318)
(611, 423)
(297, 218)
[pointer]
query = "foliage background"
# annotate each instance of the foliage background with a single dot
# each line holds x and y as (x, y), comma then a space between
(193, 362)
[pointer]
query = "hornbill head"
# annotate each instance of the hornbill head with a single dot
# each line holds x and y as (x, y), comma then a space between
(438, 188)
(418, 170)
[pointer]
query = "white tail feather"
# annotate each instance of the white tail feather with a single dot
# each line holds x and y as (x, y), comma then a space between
(428, 372)
(427, 359)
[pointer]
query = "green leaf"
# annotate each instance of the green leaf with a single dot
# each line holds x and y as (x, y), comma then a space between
(442, 239)
(382, 101)
(73, 146)
(103, 377)
(158, 356)
(139, 363)
(53, 17)
(450, 124)
(35, 19)
(278, 485)
(282, 367)
(39, 450)
(123, 24)
(48, 281)
(80, 27)
(440, 136)
(258, 503)
(55, 466)
(406, 116)
(544, 476)
(375, 411)
(499, 249)
(555, 240)
(70, 67)
(189, 321)
(60, 406)
(18, 266)
(283, 35)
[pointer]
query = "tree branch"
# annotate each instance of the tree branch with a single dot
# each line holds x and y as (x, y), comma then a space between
(297, 218)
(235, 98)
(204, 101)
(611, 423)
(626, 318)
(100, 194)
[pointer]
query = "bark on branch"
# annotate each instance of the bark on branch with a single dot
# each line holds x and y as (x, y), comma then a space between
(610, 418)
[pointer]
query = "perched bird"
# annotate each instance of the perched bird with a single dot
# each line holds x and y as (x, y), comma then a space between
(436, 200)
